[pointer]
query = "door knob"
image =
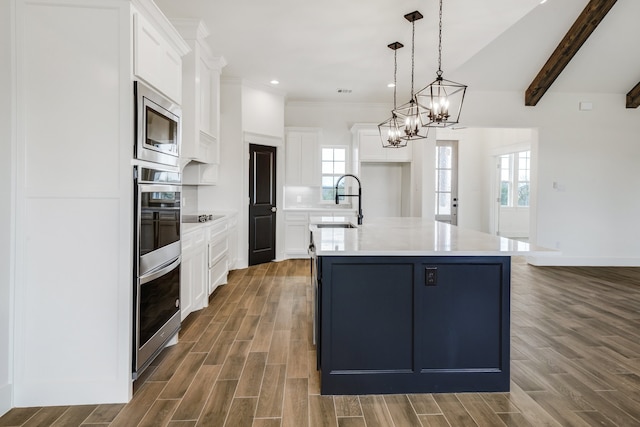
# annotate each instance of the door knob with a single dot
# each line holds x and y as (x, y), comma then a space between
(273, 209)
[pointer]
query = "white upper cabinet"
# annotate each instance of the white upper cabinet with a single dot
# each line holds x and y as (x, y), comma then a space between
(200, 106)
(155, 60)
(368, 146)
(302, 159)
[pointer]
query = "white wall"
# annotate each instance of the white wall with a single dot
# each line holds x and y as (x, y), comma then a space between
(472, 176)
(335, 119)
(247, 114)
(262, 111)
(388, 185)
(592, 156)
(590, 215)
(6, 216)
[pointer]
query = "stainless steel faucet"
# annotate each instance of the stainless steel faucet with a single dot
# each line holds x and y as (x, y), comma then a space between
(359, 195)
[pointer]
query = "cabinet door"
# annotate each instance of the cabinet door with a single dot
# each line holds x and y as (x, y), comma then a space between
(205, 97)
(187, 277)
(371, 149)
(199, 283)
(463, 311)
(309, 162)
(296, 237)
(155, 61)
(370, 146)
(296, 233)
(292, 159)
(302, 164)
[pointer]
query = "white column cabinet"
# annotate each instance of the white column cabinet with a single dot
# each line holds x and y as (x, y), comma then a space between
(302, 153)
(75, 62)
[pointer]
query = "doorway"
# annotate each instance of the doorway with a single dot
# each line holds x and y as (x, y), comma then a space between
(262, 204)
(446, 182)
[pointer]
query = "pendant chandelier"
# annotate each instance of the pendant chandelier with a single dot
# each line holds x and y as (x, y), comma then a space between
(392, 129)
(442, 98)
(412, 114)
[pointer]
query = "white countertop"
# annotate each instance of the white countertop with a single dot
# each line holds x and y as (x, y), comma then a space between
(412, 237)
(218, 217)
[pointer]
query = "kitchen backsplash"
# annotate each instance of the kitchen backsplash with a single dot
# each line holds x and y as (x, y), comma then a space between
(310, 198)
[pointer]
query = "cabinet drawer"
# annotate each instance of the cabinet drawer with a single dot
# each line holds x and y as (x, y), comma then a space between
(217, 231)
(218, 274)
(217, 250)
(193, 240)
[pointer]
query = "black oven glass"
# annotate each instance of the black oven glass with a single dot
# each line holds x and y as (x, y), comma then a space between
(159, 301)
(161, 132)
(159, 219)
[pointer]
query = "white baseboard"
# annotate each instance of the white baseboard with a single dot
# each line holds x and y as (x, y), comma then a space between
(6, 398)
(568, 261)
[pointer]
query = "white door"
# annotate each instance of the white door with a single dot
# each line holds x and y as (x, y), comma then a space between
(446, 182)
(514, 187)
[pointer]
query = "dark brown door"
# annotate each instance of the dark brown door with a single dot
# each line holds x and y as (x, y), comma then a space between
(262, 204)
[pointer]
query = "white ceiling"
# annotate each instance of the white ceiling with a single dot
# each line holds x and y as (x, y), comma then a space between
(315, 48)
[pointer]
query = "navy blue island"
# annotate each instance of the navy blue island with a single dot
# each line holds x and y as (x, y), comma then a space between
(409, 305)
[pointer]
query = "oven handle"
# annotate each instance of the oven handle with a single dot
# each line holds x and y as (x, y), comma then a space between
(146, 186)
(160, 271)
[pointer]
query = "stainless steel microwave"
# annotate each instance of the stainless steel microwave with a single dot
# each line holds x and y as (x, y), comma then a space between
(158, 127)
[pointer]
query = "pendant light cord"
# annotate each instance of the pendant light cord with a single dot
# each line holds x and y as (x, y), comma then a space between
(439, 72)
(413, 43)
(395, 76)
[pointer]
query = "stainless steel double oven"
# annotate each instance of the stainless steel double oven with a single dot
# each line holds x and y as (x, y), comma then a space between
(157, 216)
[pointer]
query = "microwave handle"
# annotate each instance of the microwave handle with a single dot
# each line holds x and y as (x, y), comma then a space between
(160, 271)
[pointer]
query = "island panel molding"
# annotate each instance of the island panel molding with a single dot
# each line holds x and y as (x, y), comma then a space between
(384, 328)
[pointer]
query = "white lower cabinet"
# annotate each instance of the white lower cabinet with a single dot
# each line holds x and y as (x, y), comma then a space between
(205, 262)
(296, 229)
(296, 234)
(193, 274)
(218, 254)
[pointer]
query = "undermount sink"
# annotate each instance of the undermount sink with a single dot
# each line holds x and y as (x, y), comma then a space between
(335, 225)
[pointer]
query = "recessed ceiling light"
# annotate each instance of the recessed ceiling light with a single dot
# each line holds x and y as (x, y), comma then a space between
(391, 85)
(543, 1)
(274, 82)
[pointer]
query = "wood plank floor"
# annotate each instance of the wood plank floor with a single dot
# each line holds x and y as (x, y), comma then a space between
(247, 360)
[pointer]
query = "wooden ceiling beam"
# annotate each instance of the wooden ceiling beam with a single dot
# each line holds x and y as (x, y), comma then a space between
(593, 13)
(633, 97)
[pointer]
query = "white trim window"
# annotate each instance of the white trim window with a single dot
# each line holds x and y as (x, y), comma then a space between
(334, 165)
(515, 179)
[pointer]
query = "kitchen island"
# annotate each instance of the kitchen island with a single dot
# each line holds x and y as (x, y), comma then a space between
(409, 305)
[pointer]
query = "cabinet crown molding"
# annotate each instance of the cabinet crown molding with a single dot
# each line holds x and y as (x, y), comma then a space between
(159, 20)
(191, 28)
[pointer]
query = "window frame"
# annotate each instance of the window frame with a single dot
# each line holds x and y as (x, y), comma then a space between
(334, 175)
